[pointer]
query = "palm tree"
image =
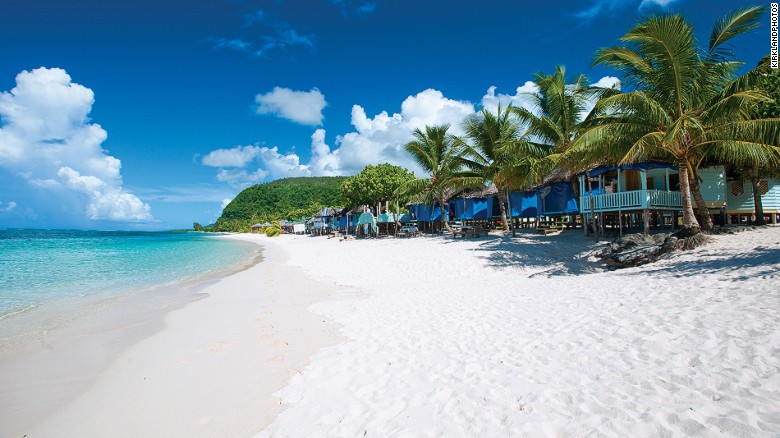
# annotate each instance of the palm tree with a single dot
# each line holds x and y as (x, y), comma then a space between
(435, 152)
(499, 153)
(558, 110)
(686, 103)
(768, 81)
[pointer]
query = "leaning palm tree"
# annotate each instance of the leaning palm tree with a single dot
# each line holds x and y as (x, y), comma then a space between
(496, 150)
(686, 102)
(435, 152)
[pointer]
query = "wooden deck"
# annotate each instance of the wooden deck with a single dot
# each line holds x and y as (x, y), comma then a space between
(632, 200)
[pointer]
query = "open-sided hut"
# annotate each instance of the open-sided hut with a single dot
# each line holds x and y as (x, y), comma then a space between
(474, 205)
(286, 226)
(324, 221)
(525, 207)
(428, 217)
(365, 225)
(558, 199)
(388, 223)
(348, 218)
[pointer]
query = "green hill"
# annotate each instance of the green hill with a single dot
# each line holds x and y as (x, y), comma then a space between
(288, 198)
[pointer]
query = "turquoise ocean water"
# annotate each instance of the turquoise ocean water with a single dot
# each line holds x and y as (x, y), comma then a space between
(44, 266)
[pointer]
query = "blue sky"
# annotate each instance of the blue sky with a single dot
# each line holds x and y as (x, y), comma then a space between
(151, 114)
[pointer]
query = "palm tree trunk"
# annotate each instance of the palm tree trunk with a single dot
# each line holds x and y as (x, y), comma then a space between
(592, 206)
(758, 205)
(690, 226)
(509, 204)
(444, 217)
(701, 206)
(504, 223)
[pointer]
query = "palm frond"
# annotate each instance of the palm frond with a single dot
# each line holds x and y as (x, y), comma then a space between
(736, 23)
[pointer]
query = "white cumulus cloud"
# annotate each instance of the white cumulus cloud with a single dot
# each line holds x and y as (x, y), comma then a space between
(8, 207)
(377, 139)
(47, 140)
(106, 202)
(491, 100)
(238, 156)
(608, 82)
(304, 107)
(240, 177)
(381, 138)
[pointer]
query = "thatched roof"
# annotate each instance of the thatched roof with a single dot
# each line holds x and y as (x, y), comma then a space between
(328, 212)
(357, 210)
(559, 174)
(484, 191)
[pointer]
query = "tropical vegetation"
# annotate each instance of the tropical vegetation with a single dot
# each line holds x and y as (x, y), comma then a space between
(435, 152)
(557, 114)
(680, 103)
(288, 198)
(686, 104)
(374, 185)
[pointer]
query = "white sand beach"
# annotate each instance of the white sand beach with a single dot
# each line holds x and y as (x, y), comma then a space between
(209, 370)
(428, 336)
(494, 337)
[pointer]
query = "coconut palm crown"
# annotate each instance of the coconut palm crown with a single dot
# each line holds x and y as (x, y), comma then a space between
(686, 102)
(557, 108)
(496, 150)
(435, 152)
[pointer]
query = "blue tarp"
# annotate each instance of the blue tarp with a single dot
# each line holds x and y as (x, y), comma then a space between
(637, 166)
(427, 213)
(343, 221)
(406, 218)
(596, 190)
(524, 204)
(472, 208)
(366, 219)
(385, 218)
(558, 198)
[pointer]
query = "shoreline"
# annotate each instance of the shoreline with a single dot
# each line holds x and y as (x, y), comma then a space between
(47, 385)
(495, 336)
(83, 336)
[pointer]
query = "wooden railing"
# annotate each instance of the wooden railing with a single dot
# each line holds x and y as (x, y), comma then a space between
(664, 200)
(632, 200)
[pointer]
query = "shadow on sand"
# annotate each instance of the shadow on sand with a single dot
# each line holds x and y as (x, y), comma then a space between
(728, 264)
(565, 253)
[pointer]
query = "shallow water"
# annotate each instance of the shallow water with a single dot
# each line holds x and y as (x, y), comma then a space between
(40, 267)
